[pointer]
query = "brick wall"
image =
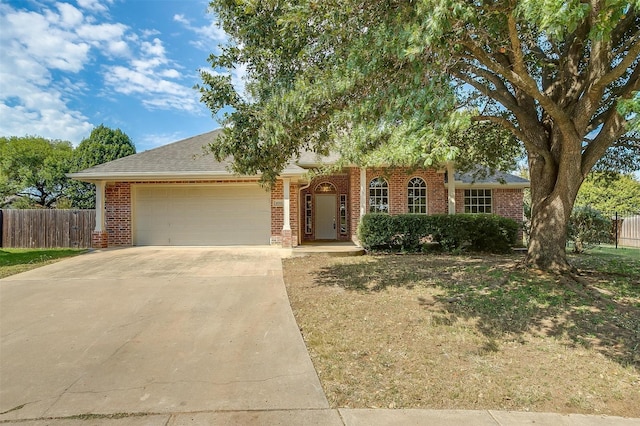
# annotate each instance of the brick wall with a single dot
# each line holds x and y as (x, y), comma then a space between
(118, 214)
(278, 236)
(277, 213)
(398, 179)
(506, 202)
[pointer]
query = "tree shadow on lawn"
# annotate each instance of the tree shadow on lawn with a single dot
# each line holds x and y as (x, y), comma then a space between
(599, 310)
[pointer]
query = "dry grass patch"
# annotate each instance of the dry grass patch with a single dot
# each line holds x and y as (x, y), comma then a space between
(415, 331)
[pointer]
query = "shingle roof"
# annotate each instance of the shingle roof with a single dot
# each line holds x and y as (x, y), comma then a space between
(485, 178)
(188, 159)
(185, 158)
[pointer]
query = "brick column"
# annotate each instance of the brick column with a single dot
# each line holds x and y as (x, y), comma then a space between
(287, 241)
(99, 239)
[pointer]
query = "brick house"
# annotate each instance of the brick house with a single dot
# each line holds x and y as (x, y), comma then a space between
(178, 195)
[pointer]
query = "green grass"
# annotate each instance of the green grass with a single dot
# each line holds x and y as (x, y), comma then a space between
(15, 261)
(608, 259)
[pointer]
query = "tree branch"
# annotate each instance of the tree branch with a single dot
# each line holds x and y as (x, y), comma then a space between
(528, 86)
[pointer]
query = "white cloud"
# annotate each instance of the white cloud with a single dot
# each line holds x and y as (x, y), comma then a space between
(181, 19)
(35, 46)
(94, 5)
(208, 36)
(154, 84)
(43, 54)
(69, 15)
(150, 141)
(153, 78)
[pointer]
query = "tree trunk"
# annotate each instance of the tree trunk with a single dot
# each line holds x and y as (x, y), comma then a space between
(554, 187)
(548, 238)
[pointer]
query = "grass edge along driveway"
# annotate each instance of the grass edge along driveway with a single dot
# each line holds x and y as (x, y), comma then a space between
(16, 260)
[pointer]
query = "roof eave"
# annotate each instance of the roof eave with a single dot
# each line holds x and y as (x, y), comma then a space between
(505, 185)
(154, 176)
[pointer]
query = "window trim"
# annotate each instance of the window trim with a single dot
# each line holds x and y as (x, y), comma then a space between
(308, 225)
(378, 195)
(411, 205)
(472, 198)
(343, 214)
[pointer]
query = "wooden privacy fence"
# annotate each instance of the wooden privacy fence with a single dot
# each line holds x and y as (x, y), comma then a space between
(46, 228)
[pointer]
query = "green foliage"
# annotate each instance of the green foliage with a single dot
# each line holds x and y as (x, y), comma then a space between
(372, 80)
(419, 83)
(408, 232)
(610, 193)
(103, 145)
(588, 227)
(34, 168)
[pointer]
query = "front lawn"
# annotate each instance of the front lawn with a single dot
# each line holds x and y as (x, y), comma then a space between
(14, 261)
(472, 332)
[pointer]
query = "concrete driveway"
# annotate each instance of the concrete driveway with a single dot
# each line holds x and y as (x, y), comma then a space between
(152, 330)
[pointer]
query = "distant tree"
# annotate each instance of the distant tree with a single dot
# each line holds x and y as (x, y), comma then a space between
(33, 170)
(588, 227)
(103, 145)
(610, 193)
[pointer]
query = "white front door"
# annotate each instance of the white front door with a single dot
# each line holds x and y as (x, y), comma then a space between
(326, 217)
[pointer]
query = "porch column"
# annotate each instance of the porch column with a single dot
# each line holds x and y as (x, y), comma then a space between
(286, 219)
(99, 236)
(363, 191)
(451, 187)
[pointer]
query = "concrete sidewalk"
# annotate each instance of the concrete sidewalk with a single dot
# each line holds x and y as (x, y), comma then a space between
(340, 417)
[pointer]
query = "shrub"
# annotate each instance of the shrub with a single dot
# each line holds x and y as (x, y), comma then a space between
(588, 227)
(409, 232)
(375, 231)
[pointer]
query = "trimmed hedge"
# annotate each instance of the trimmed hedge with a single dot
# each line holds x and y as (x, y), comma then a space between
(410, 232)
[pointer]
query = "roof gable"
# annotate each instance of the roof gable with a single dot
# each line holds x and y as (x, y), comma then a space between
(185, 158)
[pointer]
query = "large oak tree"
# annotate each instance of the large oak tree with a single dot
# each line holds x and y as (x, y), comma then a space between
(398, 81)
(32, 170)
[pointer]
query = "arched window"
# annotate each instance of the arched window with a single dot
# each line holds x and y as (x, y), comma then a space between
(326, 187)
(417, 196)
(378, 195)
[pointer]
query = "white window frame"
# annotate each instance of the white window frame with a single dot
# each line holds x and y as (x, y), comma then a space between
(417, 183)
(308, 226)
(343, 214)
(378, 195)
(478, 200)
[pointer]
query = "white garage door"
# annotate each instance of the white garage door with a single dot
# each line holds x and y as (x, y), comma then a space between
(201, 215)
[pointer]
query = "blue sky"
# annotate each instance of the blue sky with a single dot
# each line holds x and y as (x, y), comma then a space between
(68, 66)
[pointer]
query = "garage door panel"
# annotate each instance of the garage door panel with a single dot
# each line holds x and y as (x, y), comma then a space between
(206, 215)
